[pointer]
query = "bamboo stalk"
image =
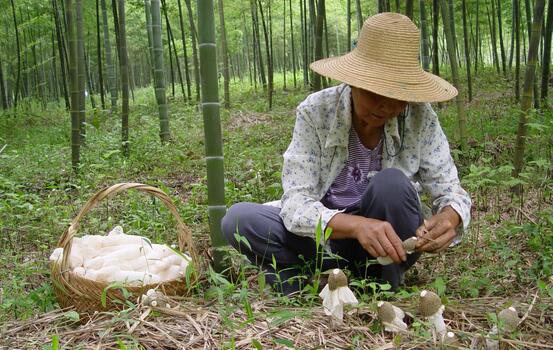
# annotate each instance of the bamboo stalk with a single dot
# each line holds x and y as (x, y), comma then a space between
(74, 84)
(529, 76)
(212, 124)
(159, 72)
(450, 39)
(112, 86)
(81, 73)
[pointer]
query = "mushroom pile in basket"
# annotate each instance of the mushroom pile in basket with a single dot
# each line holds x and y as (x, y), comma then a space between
(118, 257)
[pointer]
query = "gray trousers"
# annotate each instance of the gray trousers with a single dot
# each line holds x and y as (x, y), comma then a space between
(288, 258)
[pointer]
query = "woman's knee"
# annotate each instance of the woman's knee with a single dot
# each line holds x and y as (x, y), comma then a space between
(392, 184)
(233, 221)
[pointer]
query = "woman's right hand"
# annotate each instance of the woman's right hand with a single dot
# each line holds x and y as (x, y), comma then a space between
(377, 237)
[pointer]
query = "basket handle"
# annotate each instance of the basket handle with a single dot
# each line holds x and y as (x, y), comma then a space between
(184, 234)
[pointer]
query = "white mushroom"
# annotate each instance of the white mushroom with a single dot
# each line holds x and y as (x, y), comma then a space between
(431, 308)
(76, 255)
(56, 254)
(154, 298)
(91, 274)
(336, 294)
(391, 317)
(507, 322)
(117, 230)
(106, 274)
(83, 249)
(450, 341)
(128, 252)
(94, 263)
(91, 241)
(79, 271)
(128, 276)
(172, 273)
(108, 241)
(151, 279)
(161, 250)
(173, 259)
(158, 266)
(409, 247)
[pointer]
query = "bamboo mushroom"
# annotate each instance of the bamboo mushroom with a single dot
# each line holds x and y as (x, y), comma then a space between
(92, 241)
(507, 322)
(173, 259)
(117, 230)
(94, 263)
(106, 274)
(56, 254)
(336, 294)
(161, 250)
(391, 317)
(91, 274)
(79, 271)
(158, 266)
(127, 253)
(409, 246)
(76, 256)
(109, 241)
(431, 308)
(154, 298)
(172, 273)
(127, 276)
(143, 249)
(450, 341)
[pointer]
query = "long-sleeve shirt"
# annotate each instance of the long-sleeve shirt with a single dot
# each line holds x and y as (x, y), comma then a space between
(319, 150)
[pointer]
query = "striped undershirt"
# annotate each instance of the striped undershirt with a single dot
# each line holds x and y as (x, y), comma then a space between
(348, 187)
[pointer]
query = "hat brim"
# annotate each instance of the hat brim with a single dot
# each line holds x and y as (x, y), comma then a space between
(411, 84)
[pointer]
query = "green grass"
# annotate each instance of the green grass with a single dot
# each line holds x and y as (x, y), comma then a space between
(508, 248)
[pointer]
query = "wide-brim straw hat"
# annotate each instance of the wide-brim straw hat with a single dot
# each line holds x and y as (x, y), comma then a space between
(386, 62)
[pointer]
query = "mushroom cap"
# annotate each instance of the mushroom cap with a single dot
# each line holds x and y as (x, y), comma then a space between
(450, 339)
(509, 318)
(429, 303)
(386, 311)
(410, 244)
(336, 279)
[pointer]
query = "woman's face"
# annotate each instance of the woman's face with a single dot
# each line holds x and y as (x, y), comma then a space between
(372, 110)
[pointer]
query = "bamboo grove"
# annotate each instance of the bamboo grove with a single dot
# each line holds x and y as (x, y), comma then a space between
(90, 55)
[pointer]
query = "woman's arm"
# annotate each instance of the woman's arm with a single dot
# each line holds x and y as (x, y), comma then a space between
(439, 177)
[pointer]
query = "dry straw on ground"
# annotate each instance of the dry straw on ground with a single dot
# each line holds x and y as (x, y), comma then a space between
(275, 326)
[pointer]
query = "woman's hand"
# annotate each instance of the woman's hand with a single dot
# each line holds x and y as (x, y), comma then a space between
(436, 234)
(377, 237)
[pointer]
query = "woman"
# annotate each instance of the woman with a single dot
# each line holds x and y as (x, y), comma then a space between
(360, 152)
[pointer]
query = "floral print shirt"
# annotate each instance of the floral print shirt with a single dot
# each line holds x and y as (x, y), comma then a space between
(319, 150)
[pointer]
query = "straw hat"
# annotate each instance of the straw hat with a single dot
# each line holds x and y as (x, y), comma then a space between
(386, 62)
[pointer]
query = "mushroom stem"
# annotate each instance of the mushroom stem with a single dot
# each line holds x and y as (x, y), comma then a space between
(431, 308)
(437, 322)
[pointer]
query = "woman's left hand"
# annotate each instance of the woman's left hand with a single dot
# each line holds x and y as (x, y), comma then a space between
(436, 234)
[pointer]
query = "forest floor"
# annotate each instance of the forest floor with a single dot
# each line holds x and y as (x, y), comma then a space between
(505, 259)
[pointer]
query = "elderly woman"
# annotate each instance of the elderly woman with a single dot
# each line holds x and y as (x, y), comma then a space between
(360, 153)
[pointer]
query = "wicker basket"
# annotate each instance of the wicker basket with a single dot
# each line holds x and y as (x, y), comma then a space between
(85, 295)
